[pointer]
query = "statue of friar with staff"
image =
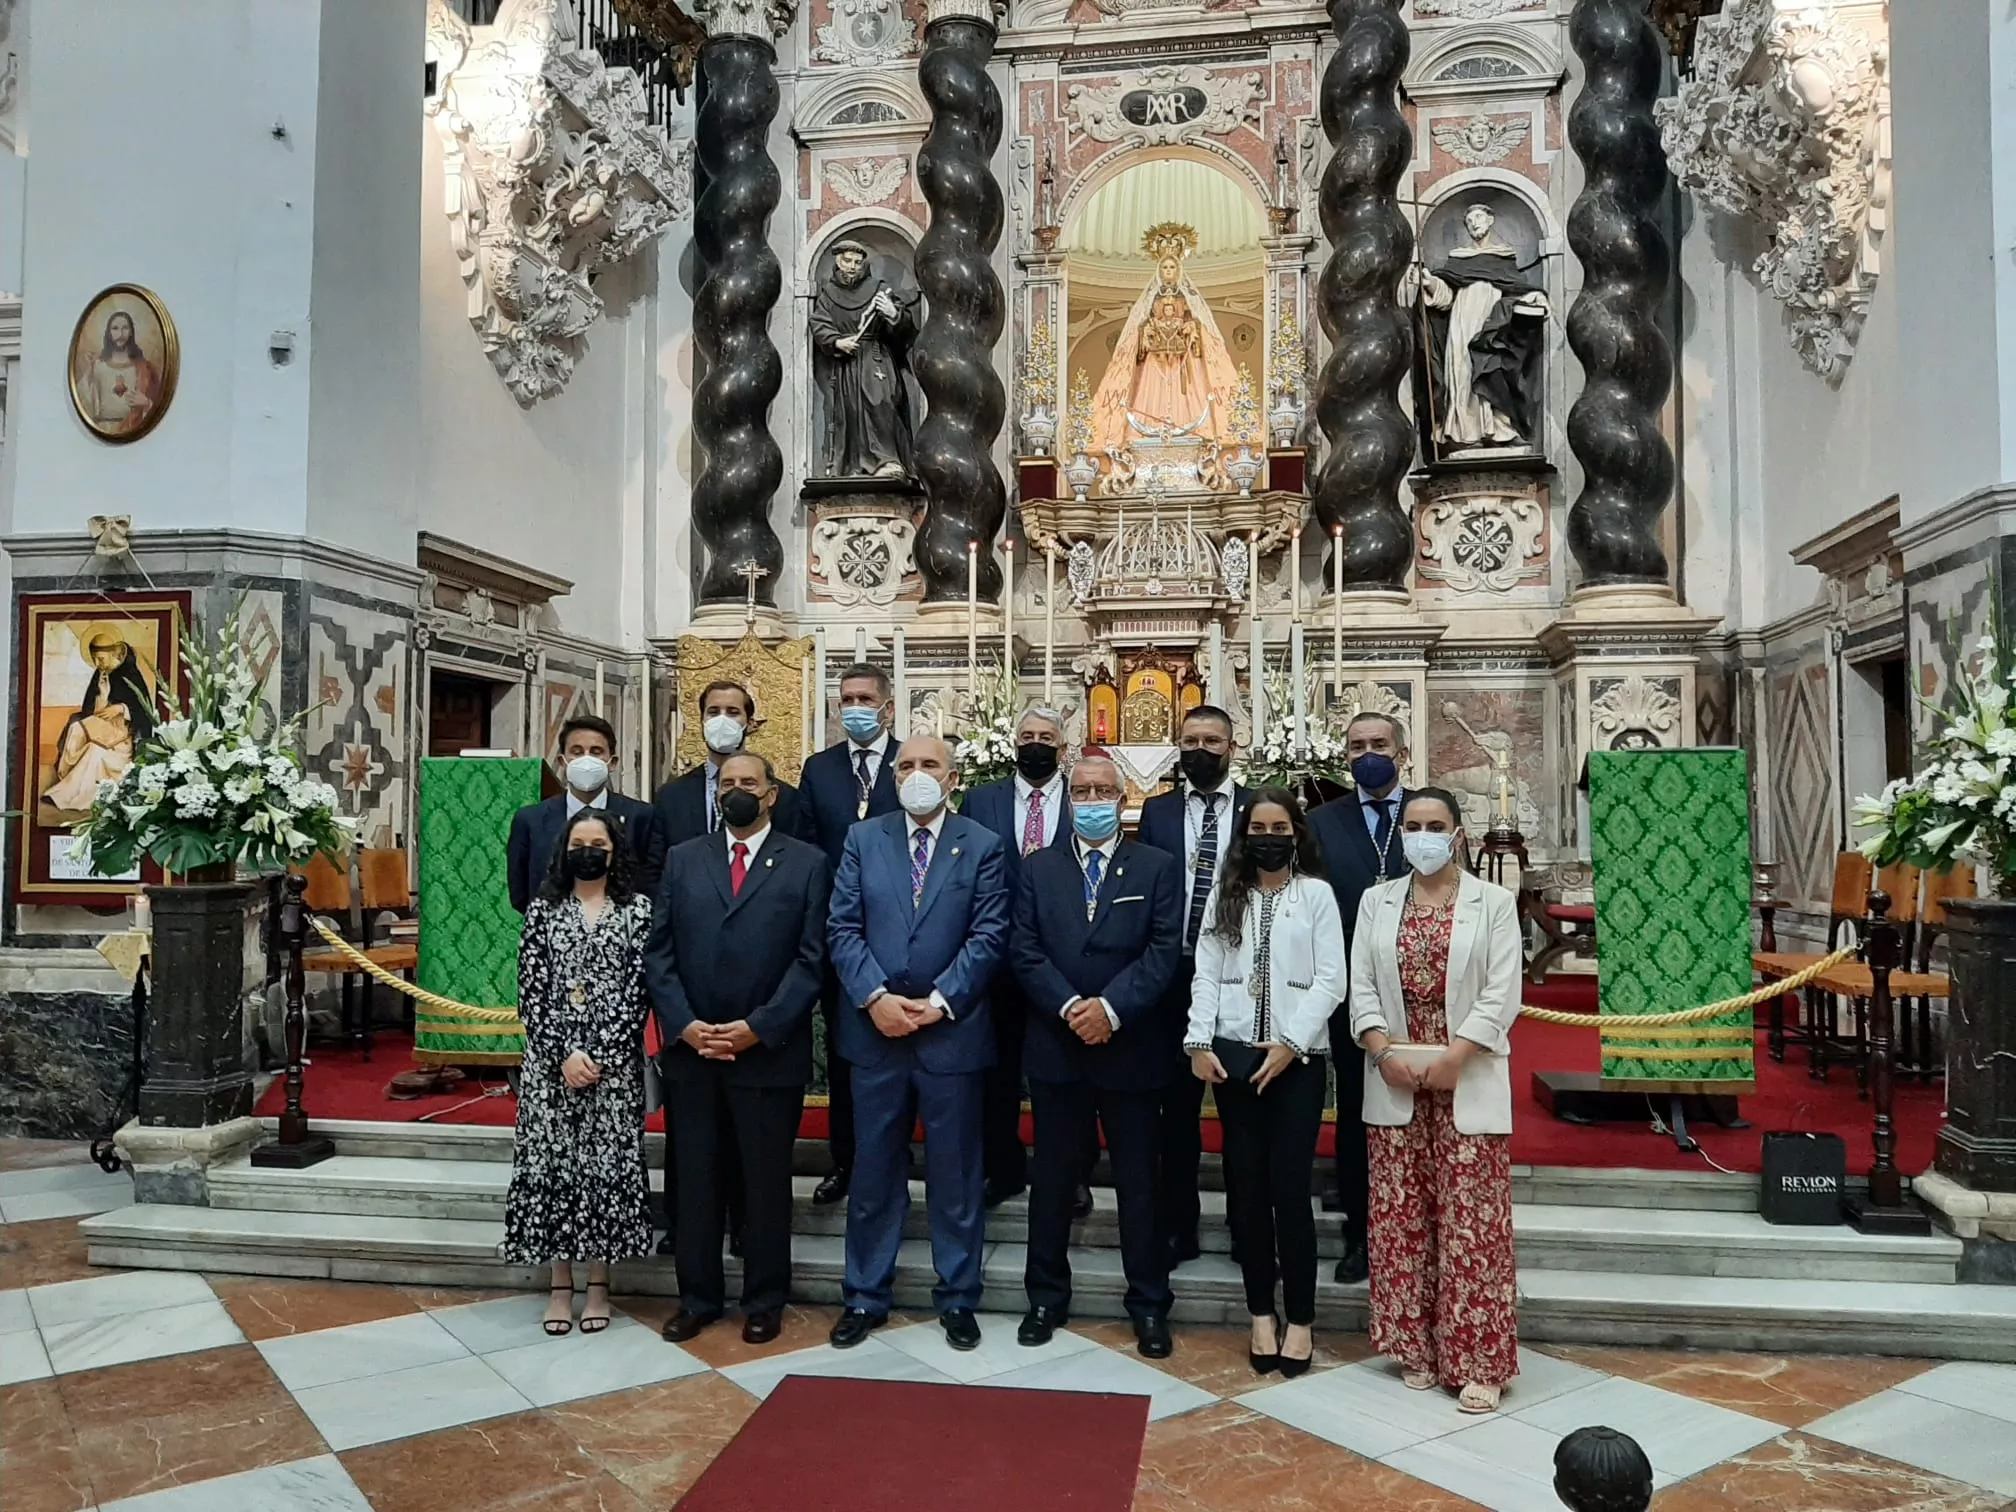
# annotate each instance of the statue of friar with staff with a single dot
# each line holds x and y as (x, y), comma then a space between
(862, 327)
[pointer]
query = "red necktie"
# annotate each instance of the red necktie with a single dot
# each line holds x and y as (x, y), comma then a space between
(739, 867)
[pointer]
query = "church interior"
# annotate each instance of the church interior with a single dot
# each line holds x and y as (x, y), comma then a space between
(1573, 383)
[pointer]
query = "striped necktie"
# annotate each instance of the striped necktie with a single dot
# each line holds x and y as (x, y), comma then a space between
(1206, 868)
(920, 863)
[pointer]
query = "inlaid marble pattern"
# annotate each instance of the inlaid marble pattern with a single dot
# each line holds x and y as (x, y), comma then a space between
(266, 1395)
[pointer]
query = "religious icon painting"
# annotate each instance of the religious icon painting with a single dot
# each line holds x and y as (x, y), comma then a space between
(93, 666)
(124, 359)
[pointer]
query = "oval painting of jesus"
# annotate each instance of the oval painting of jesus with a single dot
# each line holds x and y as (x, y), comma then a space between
(123, 362)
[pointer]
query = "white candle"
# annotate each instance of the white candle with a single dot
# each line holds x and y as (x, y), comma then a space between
(902, 688)
(598, 689)
(1049, 619)
(1008, 605)
(860, 643)
(644, 767)
(1337, 607)
(1256, 650)
(1216, 685)
(1299, 689)
(973, 618)
(819, 687)
(143, 912)
(1295, 575)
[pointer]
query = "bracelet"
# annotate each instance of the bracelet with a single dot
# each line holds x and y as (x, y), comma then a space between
(1380, 1058)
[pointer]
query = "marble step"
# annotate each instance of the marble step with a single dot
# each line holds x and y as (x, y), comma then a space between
(1551, 1236)
(1705, 1190)
(1566, 1306)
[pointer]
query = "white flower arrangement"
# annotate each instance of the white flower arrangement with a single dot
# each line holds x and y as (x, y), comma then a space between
(986, 752)
(1276, 758)
(211, 785)
(1961, 805)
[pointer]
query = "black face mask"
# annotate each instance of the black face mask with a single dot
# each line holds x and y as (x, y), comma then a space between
(1202, 769)
(585, 863)
(1036, 762)
(1271, 852)
(740, 808)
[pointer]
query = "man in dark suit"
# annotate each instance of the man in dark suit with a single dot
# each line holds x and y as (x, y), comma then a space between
(851, 780)
(919, 920)
(1194, 823)
(1098, 934)
(1028, 811)
(588, 748)
(685, 806)
(1360, 836)
(737, 950)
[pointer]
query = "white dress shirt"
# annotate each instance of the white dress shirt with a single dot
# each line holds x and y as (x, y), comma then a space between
(1082, 848)
(1053, 807)
(878, 753)
(1193, 822)
(754, 843)
(575, 805)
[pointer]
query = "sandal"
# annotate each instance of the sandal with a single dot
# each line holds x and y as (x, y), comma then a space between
(1476, 1399)
(1417, 1380)
(593, 1322)
(555, 1327)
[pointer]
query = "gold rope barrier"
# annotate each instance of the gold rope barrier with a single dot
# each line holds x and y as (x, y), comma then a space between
(398, 983)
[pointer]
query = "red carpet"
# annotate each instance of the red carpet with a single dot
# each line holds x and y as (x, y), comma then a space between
(963, 1449)
(342, 1085)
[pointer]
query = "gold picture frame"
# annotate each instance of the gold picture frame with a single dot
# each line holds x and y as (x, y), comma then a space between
(121, 385)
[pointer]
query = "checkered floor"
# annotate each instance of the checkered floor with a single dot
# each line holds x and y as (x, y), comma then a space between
(166, 1392)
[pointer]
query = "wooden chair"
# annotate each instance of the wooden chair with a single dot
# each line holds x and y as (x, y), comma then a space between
(1918, 1051)
(381, 888)
(1852, 874)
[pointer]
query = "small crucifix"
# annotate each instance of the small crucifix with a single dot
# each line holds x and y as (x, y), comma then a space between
(752, 571)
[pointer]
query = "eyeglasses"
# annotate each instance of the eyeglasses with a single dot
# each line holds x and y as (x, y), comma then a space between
(1096, 794)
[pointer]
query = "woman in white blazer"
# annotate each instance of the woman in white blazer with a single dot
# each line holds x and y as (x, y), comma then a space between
(1270, 970)
(1435, 962)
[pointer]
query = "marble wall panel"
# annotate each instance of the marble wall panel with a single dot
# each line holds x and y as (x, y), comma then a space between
(1467, 725)
(64, 1059)
(1805, 810)
(358, 735)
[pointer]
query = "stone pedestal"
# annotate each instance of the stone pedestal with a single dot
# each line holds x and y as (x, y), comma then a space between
(861, 543)
(1977, 1146)
(196, 1073)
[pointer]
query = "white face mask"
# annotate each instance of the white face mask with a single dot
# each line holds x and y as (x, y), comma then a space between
(587, 774)
(1427, 852)
(920, 795)
(724, 734)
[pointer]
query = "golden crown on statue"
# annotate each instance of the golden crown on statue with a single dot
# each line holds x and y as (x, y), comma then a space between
(1171, 238)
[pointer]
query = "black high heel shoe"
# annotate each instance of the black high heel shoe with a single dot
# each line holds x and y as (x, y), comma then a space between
(1268, 1363)
(1291, 1367)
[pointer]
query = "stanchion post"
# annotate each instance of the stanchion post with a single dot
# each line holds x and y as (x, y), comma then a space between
(295, 1147)
(1883, 1210)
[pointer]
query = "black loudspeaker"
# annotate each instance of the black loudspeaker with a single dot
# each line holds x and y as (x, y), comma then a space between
(1803, 1178)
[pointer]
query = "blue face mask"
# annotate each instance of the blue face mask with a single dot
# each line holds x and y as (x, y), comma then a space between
(861, 725)
(1373, 772)
(1095, 822)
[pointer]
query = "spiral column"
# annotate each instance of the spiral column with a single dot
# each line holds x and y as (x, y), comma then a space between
(742, 465)
(1369, 442)
(953, 357)
(1615, 229)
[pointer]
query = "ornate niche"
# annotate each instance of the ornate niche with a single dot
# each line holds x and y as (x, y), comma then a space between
(1635, 712)
(1785, 124)
(551, 173)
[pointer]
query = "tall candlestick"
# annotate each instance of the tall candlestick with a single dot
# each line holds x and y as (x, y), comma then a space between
(646, 767)
(598, 690)
(1337, 610)
(973, 618)
(1256, 653)
(1299, 688)
(902, 689)
(1216, 685)
(819, 687)
(1295, 575)
(1049, 620)
(1008, 605)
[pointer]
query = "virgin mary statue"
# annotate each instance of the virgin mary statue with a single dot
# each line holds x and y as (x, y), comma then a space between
(1171, 379)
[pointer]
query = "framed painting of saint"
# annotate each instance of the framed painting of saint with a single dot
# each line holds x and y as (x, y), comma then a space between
(92, 669)
(124, 359)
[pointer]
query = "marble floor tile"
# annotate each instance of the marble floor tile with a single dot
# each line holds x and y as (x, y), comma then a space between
(85, 1178)
(624, 1355)
(1104, 1371)
(372, 1410)
(174, 1422)
(870, 1360)
(117, 1296)
(525, 1463)
(22, 1358)
(1500, 1463)
(805, 1326)
(43, 1254)
(360, 1350)
(18, 1154)
(507, 1323)
(1216, 1358)
(273, 1307)
(91, 1343)
(1916, 1430)
(1790, 1390)
(1976, 1386)
(1678, 1434)
(998, 1352)
(1796, 1472)
(40, 1467)
(657, 1440)
(311, 1485)
(16, 1316)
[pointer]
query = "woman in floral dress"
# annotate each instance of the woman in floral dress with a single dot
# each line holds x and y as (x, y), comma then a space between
(578, 1189)
(1434, 990)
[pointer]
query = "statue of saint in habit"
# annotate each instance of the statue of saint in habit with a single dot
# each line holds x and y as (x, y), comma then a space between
(1486, 325)
(862, 327)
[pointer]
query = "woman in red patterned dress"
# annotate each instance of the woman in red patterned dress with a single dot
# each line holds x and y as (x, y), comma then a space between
(1434, 990)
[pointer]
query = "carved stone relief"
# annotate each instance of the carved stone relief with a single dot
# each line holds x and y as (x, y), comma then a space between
(1634, 713)
(1785, 123)
(863, 558)
(1476, 736)
(1480, 140)
(1488, 538)
(1473, 10)
(866, 32)
(867, 181)
(1156, 106)
(551, 172)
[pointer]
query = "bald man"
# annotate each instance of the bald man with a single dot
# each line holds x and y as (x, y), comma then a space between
(918, 923)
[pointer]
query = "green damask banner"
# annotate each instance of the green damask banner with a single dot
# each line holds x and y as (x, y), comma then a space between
(1670, 844)
(468, 929)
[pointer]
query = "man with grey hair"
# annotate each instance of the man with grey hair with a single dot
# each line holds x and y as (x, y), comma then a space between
(1029, 810)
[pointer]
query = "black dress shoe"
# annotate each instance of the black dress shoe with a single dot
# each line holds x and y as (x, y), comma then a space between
(1354, 1267)
(762, 1327)
(684, 1325)
(1152, 1335)
(735, 1246)
(854, 1326)
(1038, 1327)
(994, 1193)
(1264, 1364)
(1081, 1202)
(669, 1245)
(962, 1329)
(1292, 1367)
(833, 1189)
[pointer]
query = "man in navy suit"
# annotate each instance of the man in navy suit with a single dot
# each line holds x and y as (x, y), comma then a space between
(1098, 934)
(918, 922)
(847, 782)
(1360, 836)
(1028, 811)
(1194, 823)
(587, 746)
(686, 806)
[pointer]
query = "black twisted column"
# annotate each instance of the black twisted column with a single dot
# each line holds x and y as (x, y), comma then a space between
(1369, 441)
(1615, 229)
(954, 354)
(731, 314)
